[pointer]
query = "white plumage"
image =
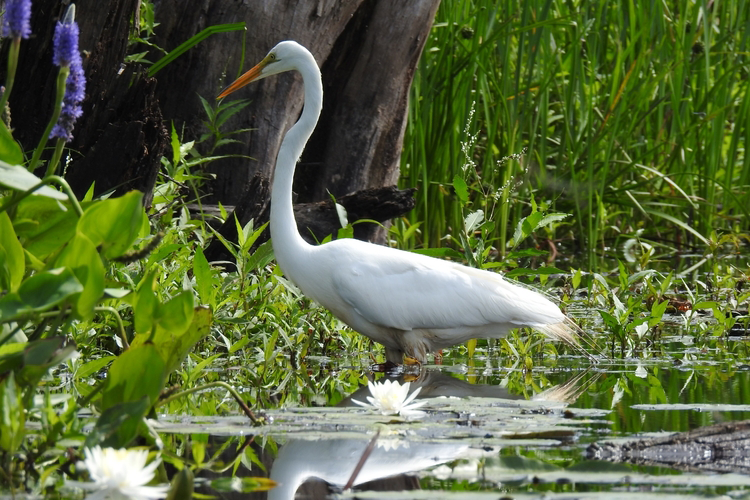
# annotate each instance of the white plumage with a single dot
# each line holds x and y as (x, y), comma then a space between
(410, 303)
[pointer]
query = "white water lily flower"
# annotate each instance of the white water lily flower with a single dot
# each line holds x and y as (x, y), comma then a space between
(392, 398)
(120, 475)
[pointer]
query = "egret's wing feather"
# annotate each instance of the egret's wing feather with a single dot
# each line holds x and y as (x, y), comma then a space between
(409, 291)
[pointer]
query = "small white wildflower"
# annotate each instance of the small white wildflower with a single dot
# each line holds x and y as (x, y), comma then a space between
(640, 371)
(391, 398)
(119, 475)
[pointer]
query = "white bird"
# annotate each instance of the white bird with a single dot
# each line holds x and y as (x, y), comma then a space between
(410, 303)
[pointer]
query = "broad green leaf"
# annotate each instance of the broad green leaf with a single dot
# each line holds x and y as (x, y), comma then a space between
(10, 151)
(136, 373)
(48, 288)
(176, 314)
(114, 223)
(42, 355)
(18, 178)
(462, 190)
(43, 226)
(117, 425)
(81, 256)
(93, 366)
(12, 263)
(173, 347)
(40, 292)
(145, 304)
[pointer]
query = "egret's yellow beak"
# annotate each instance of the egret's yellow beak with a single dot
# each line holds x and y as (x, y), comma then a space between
(248, 77)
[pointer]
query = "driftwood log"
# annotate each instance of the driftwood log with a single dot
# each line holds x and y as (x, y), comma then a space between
(717, 448)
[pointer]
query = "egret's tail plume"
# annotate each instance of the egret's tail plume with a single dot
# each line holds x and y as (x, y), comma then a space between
(570, 333)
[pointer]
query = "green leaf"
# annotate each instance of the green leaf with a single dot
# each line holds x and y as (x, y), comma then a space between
(91, 367)
(81, 256)
(18, 178)
(136, 373)
(12, 263)
(182, 485)
(40, 292)
(145, 304)
(462, 190)
(42, 355)
(176, 314)
(117, 425)
(204, 279)
(191, 42)
(172, 346)
(43, 226)
(114, 223)
(12, 415)
(10, 151)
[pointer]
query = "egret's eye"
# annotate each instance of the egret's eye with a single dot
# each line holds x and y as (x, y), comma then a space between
(271, 57)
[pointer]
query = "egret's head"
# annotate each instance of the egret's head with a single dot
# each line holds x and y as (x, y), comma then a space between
(285, 56)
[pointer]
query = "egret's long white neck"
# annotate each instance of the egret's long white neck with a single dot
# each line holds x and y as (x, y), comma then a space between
(289, 247)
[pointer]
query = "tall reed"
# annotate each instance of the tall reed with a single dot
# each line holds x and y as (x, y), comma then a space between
(635, 116)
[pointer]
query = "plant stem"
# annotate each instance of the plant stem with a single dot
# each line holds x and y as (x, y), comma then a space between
(10, 78)
(52, 165)
(226, 386)
(121, 333)
(62, 77)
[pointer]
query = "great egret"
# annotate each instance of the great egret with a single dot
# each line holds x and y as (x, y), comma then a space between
(410, 303)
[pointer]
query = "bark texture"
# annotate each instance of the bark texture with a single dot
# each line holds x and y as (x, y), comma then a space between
(368, 51)
(119, 140)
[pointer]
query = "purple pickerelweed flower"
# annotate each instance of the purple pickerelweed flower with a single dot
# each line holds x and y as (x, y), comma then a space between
(65, 43)
(16, 21)
(65, 53)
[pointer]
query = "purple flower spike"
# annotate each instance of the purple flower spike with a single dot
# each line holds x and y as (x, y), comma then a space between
(75, 91)
(65, 53)
(16, 22)
(65, 44)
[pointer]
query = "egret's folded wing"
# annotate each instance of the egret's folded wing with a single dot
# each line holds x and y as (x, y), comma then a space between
(411, 293)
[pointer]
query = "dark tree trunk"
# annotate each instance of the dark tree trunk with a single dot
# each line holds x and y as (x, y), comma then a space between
(368, 51)
(119, 141)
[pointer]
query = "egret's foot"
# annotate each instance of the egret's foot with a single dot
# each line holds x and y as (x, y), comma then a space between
(409, 361)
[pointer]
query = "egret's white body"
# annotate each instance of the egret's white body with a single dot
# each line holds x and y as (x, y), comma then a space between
(410, 303)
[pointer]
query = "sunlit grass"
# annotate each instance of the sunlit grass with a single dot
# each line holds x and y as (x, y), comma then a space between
(634, 116)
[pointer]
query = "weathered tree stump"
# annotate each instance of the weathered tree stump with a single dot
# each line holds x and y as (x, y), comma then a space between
(368, 51)
(119, 140)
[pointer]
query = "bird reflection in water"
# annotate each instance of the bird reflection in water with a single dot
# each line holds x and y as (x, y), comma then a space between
(314, 468)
